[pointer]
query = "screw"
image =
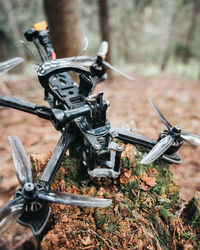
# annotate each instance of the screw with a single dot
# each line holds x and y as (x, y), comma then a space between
(119, 147)
(97, 146)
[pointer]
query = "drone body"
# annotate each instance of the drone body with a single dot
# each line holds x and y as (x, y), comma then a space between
(80, 116)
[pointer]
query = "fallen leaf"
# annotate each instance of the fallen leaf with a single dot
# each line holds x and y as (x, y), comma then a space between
(139, 233)
(127, 173)
(119, 197)
(145, 187)
(62, 207)
(124, 212)
(86, 240)
(116, 210)
(150, 181)
(62, 185)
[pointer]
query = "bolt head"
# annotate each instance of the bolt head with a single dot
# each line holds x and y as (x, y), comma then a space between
(119, 147)
(97, 146)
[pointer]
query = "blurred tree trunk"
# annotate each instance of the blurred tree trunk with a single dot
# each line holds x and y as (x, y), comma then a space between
(141, 5)
(172, 22)
(190, 33)
(104, 25)
(64, 23)
(8, 9)
(167, 51)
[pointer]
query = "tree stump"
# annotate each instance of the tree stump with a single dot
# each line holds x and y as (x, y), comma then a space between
(146, 212)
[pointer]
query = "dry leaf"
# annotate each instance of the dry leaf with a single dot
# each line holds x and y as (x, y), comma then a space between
(62, 207)
(147, 183)
(86, 240)
(150, 181)
(116, 209)
(62, 185)
(139, 233)
(119, 197)
(124, 212)
(145, 187)
(127, 173)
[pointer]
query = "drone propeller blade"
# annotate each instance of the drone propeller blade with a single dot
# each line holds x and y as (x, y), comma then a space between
(83, 60)
(158, 150)
(9, 64)
(88, 61)
(83, 50)
(8, 221)
(21, 161)
(191, 138)
(10, 212)
(85, 45)
(117, 70)
(74, 199)
(159, 114)
(103, 49)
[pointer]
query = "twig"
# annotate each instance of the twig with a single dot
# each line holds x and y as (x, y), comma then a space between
(182, 207)
(138, 193)
(103, 239)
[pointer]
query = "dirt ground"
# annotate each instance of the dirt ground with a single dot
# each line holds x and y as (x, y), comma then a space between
(177, 98)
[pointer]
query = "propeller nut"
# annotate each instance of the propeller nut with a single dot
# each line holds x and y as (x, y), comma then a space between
(29, 187)
(30, 191)
(176, 129)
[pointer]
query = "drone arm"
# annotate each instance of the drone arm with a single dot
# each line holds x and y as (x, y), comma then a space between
(133, 138)
(56, 158)
(11, 102)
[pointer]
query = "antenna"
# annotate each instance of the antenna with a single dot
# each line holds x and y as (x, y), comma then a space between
(29, 50)
(84, 48)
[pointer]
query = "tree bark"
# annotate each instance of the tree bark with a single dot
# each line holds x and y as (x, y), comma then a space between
(190, 33)
(141, 5)
(64, 23)
(104, 25)
(167, 50)
(8, 8)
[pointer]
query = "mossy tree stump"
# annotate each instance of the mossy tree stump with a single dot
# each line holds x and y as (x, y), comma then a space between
(146, 212)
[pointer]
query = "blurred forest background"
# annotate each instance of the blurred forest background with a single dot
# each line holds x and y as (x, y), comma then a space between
(147, 35)
(157, 41)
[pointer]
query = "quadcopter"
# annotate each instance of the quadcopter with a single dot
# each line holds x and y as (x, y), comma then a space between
(80, 117)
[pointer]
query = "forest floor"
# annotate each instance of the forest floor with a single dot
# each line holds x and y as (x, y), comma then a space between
(178, 100)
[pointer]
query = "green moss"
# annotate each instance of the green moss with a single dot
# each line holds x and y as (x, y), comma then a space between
(192, 211)
(110, 227)
(140, 169)
(193, 238)
(126, 163)
(100, 220)
(76, 171)
(165, 215)
(157, 190)
(131, 186)
(165, 238)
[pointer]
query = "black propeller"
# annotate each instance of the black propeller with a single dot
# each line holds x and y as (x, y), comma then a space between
(9, 64)
(88, 61)
(173, 134)
(30, 194)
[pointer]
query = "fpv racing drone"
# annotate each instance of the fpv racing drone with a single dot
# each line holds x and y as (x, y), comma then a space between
(80, 116)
